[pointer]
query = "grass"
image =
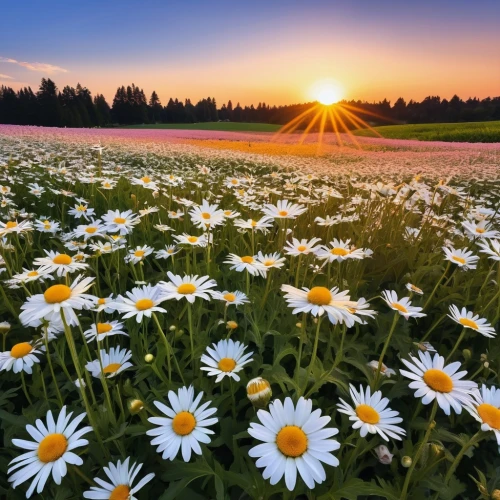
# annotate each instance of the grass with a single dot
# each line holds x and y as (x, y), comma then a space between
(223, 126)
(448, 132)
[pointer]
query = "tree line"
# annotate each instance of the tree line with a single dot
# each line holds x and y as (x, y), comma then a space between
(75, 107)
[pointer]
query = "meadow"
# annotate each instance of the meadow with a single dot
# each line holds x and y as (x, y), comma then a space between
(224, 126)
(447, 132)
(247, 325)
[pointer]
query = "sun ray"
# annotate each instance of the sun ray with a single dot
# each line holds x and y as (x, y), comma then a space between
(359, 123)
(321, 131)
(309, 127)
(295, 121)
(335, 128)
(344, 126)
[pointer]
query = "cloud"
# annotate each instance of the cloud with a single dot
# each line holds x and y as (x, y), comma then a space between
(5, 77)
(35, 66)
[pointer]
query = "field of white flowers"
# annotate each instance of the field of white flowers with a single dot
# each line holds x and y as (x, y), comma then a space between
(187, 322)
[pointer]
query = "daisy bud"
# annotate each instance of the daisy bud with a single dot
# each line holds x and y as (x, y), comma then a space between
(298, 325)
(135, 406)
(437, 449)
(4, 327)
(495, 494)
(232, 325)
(406, 461)
(484, 357)
(259, 392)
(172, 328)
(383, 454)
(149, 358)
(467, 354)
(486, 364)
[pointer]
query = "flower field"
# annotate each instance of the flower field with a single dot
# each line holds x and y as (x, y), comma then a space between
(185, 316)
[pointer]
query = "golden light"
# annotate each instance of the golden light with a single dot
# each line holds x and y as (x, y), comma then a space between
(327, 92)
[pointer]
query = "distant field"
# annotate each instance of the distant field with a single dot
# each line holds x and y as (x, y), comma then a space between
(224, 126)
(448, 132)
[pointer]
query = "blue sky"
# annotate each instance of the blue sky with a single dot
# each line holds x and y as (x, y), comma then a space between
(254, 51)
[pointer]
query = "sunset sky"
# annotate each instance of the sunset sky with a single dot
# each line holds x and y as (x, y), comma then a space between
(272, 51)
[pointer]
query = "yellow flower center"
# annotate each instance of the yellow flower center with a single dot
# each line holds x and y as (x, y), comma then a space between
(468, 323)
(183, 423)
(283, 213)
(399, 307)
(253, 223)
(257, 387)
(145, 179)
(367, 414)
(143, 304)
(139, 253)
(227, 364)
(269, 262)
(106, 185)
(90, 230)
(186, 289)
(79, 257)
(31, 274)
(205, 215)
(63, 259)
(104, 327)
(339, 251)
(301, 248)
(230, 297)
(11, 224)
(458, 259)
(21, 350)
(192, 239)
(227, 212)
(121, 492)
(119, 220)
(111, 368)
(52, 447)
(319, 296)
(479, 230)
(292, 441)
(81, 208)
(47, 226)
(247, 259)
(101, 302)
(57, 293)
(489, 415)
(234, 182)
(438, 380)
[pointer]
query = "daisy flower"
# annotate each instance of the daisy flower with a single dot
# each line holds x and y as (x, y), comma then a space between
(302, 247)
(113, 363)
(15, 227)
(433, 380)
(196, 241)
(185, 425)
(462, 258)
(104, 304)
(261, 225)
(491, 248)
(122, 222)
(188, 287)
(100, 331)
(283, 210)
(320, 299)
(225, 359)
(47, 226)
(139, 302)
(402, 306)
(339, 251)
(468, 320)
(414, 289)
(371, 415)
(486, 409)
(231, 298)
(144, 181)
(21, 357)
(57, 298)
(59, 263)
(108, 184)
(80, 211)
(294, 439)
(245, 263)
(50, 452)
(30, 275)
(384, 370)
(167, 252)
(137, 255)
(206, 216)
(231, 214)
(92, 230)
(480, 230)
(271, 260)
(121, 477)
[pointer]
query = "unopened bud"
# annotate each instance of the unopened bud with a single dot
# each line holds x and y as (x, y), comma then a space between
(467, 354)
(437, 449)
(232, 325)
(4, 327)
(484, 492)
(383, 454)
(259, 392)
(406, 461)
(172, 328)
(149, 358)
(486, 364)
(298, 325)
(495, 494)
(135, 406)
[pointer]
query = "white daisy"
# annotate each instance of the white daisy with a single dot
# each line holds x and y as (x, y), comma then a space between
(271, 260)
(113, 363)
(59, 263)
(486, 409)
(433, 380)
(93, 230)
(81, 211)
(57, 298)
(195, 241)
(185, 425)
(225, 359)
(302, 247)
(206, 216)
(139, 302)
(138, 254)
(121, 222)
(294, 440)
(261, 225)
(245, 263)
(414, 289)
(120, 487)
(340, 250)
(491, 248)
(463, 258)
(15, 227)
(188, 287)
(468, 320)
(51, 451)
(402, 306)
(231, 298)
(371, 415)
(100, 331)
(283, 210)
(167, 252)
(21, 357)
(479, 230)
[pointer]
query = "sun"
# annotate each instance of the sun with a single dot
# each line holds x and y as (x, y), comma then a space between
(326, 92)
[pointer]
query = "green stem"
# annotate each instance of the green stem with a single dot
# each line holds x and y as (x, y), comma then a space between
(25, 390)
(315, 350)
(436, 287)
(51, 368)
(472, 441)
(384, 350)
(455, 347)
